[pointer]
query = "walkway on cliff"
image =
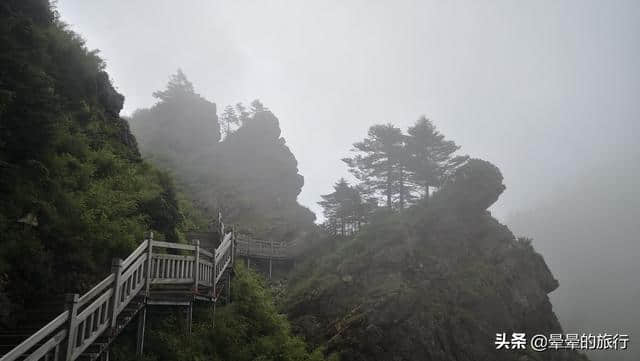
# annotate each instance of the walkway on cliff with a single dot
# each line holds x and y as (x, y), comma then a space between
(156, 273)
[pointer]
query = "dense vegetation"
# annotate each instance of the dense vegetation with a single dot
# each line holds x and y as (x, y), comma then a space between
(249, 328)
(251, 175)
(74, 191)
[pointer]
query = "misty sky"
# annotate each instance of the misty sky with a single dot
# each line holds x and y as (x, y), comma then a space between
(543, 89)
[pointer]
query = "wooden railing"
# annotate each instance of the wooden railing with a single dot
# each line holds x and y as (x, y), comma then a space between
(264, 249)
(224, 256)
(91, 315)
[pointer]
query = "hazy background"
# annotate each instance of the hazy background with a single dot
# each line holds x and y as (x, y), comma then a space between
(540, 88)
(546, 90)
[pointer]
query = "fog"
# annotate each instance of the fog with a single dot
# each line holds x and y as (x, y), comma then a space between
(542, 89)
(546, 90)
(588, 231)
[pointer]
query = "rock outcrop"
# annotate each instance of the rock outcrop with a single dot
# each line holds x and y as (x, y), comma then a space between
(435, 283)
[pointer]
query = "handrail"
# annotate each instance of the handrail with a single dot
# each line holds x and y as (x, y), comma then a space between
(143, 246)
(205, 252)
(97, 289)
(268, 249)
(95, 312)
(182, 246)
(224, 246)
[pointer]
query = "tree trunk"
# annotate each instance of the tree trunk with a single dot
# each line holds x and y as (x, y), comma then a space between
(426, 193)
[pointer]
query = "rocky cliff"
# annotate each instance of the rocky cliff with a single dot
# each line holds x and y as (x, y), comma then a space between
(435, 283)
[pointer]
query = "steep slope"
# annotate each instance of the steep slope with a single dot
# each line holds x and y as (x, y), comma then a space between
(251, 176)
(74, 191)
(435, 283)
(257, 165)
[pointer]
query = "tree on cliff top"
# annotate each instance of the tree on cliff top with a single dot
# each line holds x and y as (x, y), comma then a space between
(178, 86)
(379, 163)
(229, 120)
(263, 171)
(430, 155)
(398, 166)
(181, 129)
(251, 176)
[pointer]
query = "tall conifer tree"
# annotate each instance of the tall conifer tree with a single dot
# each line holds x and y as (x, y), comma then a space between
(379, 163)
(430, 157)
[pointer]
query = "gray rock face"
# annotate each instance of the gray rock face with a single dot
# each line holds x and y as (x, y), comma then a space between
(427, 286)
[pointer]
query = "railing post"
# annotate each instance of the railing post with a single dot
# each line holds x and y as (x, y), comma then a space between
(215, 273)
(271, 259)
(149, 263)
(142, 317)
(233, 244)
(72, 306)
(221, 227)
(196, 265)
(190, 318)
(227, 291)
(116, 269)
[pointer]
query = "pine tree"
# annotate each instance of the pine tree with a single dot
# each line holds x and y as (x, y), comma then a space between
(379, 163)
(335, 204)
(345, 209)
(178, 87)
(242, 113)
(257, 106)
(404, 187)
(229, 119)
(430, 156)
(363, 207)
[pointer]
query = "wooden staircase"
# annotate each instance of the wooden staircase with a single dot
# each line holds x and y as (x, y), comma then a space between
(97, 349)
(156, 273)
